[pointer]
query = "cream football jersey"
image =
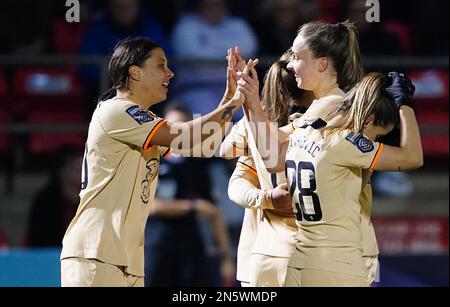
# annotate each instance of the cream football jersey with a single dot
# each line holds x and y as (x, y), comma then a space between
(120, 172)
(276, 230)
(324, 174)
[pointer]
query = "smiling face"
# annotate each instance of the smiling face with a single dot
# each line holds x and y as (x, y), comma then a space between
(153, 77)
(304, 65)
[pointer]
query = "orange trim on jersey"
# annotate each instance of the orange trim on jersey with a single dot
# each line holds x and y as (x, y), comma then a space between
(248, 168)
(147, 145)
(377, 155)
(292, 127)
(168, 153)
(234, 145)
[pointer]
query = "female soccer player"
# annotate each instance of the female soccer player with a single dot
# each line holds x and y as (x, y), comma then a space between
(324, 168)
(267, 237)
(104, 243)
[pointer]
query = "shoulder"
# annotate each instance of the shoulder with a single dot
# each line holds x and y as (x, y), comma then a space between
(330, 100)
(118, 110)
(354, 141)
(247, 163)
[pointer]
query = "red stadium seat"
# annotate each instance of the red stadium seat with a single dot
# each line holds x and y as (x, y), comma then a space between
(403, 34)
(44, 143)
(434, 133)
(47, 88)
(66, 37)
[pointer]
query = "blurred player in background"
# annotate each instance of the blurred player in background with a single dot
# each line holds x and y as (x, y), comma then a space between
(104, 243)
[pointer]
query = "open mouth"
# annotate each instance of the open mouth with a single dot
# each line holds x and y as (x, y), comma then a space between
(165, 84)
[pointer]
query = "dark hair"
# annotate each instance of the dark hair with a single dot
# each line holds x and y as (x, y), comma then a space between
(340, 43)
(128, 52)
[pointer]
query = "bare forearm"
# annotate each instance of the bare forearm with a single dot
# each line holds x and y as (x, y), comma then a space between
(410, 142)
(204, 134)
(171, 208)
(220, 229)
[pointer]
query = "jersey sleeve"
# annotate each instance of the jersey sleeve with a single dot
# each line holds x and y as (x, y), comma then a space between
(238, 135)
(247, 164)
(130, 124)
(165, 151)
(355, 150)
(244, 189)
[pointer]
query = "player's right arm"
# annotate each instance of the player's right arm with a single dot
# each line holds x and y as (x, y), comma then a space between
(208, 125)
(235, 143)
(243, 188)
(268, 137)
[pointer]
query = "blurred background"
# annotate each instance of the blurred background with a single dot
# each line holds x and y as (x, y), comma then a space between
(52, 71)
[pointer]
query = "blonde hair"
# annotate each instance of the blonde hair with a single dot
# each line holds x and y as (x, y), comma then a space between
(280, 90)
(368, 97)
(340, 43)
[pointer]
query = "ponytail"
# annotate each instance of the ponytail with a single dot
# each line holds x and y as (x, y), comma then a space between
(107, 95)
(280, 91)
(339, 42)
(352, 69)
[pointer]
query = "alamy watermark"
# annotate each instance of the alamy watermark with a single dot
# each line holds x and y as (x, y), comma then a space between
(373, 13)
(205, 140)
(73, 13)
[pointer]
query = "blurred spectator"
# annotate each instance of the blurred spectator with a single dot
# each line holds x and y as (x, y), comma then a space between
(123, 18)
(205, 34)
(279, 21)
(55, 205)
(374, 39)
(166, 12)
(209, 31)
(176, 251)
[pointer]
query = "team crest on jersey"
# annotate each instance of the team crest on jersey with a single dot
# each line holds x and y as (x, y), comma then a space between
(364, 145)
(152, 171)
(139, 115)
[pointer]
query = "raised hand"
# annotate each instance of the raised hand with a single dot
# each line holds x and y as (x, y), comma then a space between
(248, 84)
(400, 88)
(236, 64)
